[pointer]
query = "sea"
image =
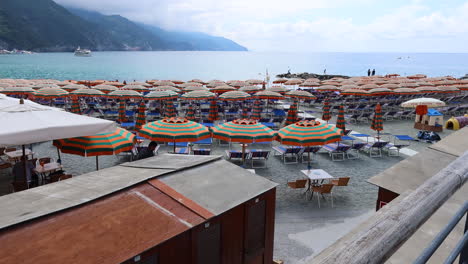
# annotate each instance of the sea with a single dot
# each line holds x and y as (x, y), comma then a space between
(186, 65)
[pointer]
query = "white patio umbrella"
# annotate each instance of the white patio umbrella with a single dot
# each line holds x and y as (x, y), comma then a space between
(430, 102)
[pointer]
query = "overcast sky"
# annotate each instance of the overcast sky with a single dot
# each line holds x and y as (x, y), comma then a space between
(307, 25)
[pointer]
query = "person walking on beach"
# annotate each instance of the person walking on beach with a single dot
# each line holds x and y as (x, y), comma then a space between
(373, 72)
(368, 72)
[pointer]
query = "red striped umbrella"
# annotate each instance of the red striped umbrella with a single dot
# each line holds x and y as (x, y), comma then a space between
(269, 95)
(308, 133)
(174, 130)
(245, 114)
(190, 113)
(292, 114)
(97, 145)
(257, 110)
(222, 89)
(213, 114)
(75, 107)
(141, 118)
(243, 131)
(122, 117)
(326, 111)
(340, 121)
(301, 95)
(170, 110)
(377, 121)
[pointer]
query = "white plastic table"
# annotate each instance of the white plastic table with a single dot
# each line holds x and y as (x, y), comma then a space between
(18, 153)
(317, 174)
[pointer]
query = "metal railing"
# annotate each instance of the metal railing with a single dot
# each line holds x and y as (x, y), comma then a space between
(460, 249)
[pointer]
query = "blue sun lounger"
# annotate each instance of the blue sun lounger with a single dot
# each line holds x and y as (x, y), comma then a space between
(393, 149)
(337, 151)
(285, 152)
(375, 149)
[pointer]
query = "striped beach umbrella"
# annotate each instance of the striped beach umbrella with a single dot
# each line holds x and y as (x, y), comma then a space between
(141, 117)
(170, 110)
(87, 92)
(340, 121)
(190, 113)
(161, 95)
(269, 95)
(125, 94)
(136, 87)
(308, 133)
(105, 88)
(198, 95)
(195, 88)
(213, 114)
(73, 87)
(380, 91)
(327, 88)
(251, 89)
(326, 115)
(222, 89)
(174, 130)
(292, 114)
(166, 88)
(50, 93)
(245, 113)
(122, 117)
(243, 131)
(234, 96)
(75, 107)
(355, 92)
(278, 89)
(377, 121)
(101, 144)
(15, 90)
(257, 110)
(298, 94)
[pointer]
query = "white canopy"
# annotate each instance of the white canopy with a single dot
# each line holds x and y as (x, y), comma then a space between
(430, 102)
(28, 123)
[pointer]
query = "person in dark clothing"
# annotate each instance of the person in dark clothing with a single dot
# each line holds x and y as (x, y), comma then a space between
(368, 72)
(373, 72)
(147, 152)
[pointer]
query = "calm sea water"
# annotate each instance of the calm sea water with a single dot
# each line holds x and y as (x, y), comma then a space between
(223, 65)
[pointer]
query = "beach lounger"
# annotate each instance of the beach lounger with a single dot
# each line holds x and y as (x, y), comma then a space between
(287, 152)
(235, 154)
(206, 141)
(337, 151)
(354, 152)
(178, 144)
(184, 151)
(375, 149)
(394, 149)
(259, 154)
(304, 153)
(201, 151)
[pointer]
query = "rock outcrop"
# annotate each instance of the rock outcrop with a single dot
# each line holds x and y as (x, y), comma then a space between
(306, 75)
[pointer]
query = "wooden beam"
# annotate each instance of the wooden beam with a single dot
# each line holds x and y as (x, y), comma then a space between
(391, 227)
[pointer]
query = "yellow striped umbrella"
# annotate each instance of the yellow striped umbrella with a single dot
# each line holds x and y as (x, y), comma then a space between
(174, 130)
(97, 145)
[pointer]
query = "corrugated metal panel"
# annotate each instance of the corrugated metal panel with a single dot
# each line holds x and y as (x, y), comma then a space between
(110, 230)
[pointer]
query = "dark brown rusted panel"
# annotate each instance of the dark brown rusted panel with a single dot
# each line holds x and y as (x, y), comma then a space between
(255, 214)
(384, 197)
(110, 230)
(232, 235)
(270, 198)
(206, 243)
(176, 250)
(203, 212)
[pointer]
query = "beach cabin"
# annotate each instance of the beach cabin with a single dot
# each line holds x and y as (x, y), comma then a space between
(432, 120)
(165, 209)
(456, 123)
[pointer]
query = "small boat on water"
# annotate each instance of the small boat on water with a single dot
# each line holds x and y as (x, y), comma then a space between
(82, 52)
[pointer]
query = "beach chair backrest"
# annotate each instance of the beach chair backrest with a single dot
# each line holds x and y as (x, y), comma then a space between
(358, 146)
(235, 154)
(343, 181)
(326, 188)
(342, 148)
(293, 150)
(380, 144)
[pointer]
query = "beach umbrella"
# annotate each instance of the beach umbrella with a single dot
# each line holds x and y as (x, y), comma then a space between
(122, 112)
(116, 84)
(257, 110)
(254, 81)
(463, 87)
(75, 107)
(250, 89)
(198, 95)
(429, 102)
(406, 91)
(380, 91)
(87, 92)
(140, 83)
(309, 84)
(448, 89)
(124, 94)
(188, 84)
(170, 110)
(14, 90)
(196, 81)
(377, 121)
(161, 95)
(355, 92)
(349, 86)
(340, 121)
(427, 89)
(50, 93)
(73, 87)
(243, 131)
(110, 143)
(327, 88)
(292, 114)
(308, 133)
(161, 83)
(215, 83)
(293, 82)
(369, 86)
(195, 88)
(326, 115)
(269, 95)
(166, 88)
(300, 95)
(278, 89)
(190, 113)
(174, 130)
(213, 114)
(238, 83)
(136, 87)
(234, 96)
(281, 80)
(222, 89)
(141, 117)
(105, 88)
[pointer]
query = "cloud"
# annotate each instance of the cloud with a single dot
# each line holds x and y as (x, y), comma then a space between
(304, 25)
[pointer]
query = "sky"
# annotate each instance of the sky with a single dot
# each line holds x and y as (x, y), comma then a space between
(307, 25)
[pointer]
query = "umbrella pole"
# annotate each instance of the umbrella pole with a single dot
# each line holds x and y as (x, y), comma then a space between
(58, 154)
(308, 164)
(243, 154)
(174, 147)
(24, 163)
(97, 163)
